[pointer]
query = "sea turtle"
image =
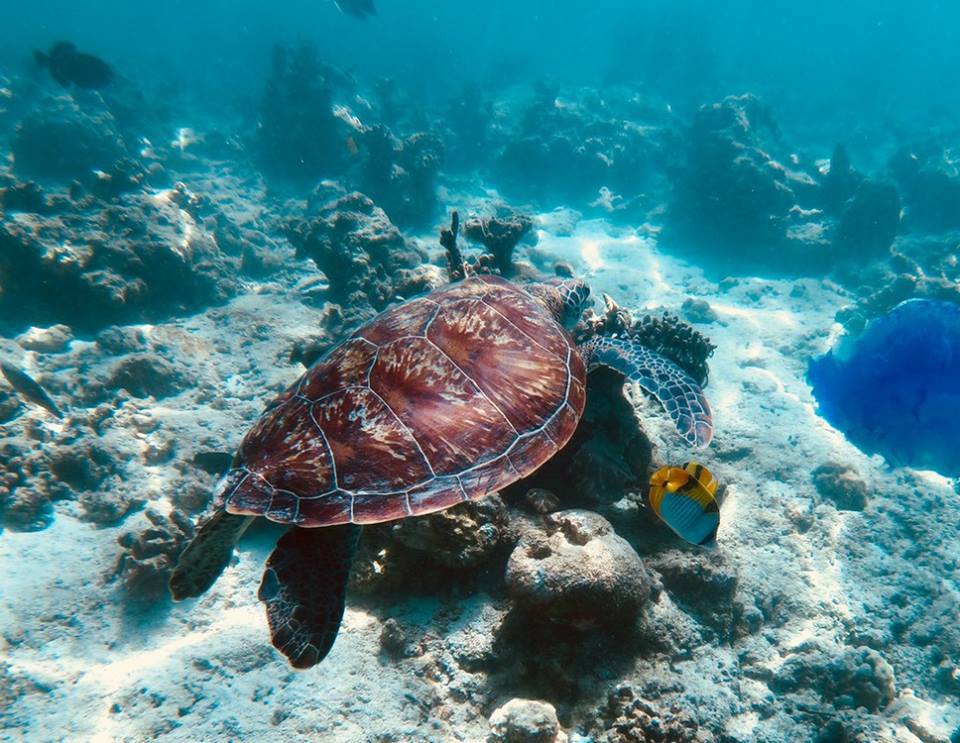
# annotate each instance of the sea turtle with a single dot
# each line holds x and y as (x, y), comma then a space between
(442, 399)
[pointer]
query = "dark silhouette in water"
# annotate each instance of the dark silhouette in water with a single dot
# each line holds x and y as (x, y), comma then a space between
(356, 8)
(67, 65)
(29, 389)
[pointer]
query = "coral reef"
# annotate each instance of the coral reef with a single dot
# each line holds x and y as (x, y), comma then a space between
(22, 506)
(299, 136)
(75, 468)
(470, 128)
(138, 259)
(525, 721)
(149, 555)
(579, 573)
(458, 537)
(400, 174)
(432, 552)
(742, 188)
(844, 677)
(23, 196)
(704, 585)
(739, 187)
(574, 146)
(927, 173)
(146, 375)
(608, 455)
(667, 334)
(46, 340)
(147, 281)
(842, 485)
(499, 234)
(839, 182)
(868, 223)
(364, 256)
(629, 718)
(730, 188)
(456, 269)
(58, 139)
(541, 501)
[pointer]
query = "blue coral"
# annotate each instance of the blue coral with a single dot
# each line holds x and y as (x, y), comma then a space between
(895, 390)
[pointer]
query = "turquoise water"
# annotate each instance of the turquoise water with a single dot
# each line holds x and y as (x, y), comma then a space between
(528, 291)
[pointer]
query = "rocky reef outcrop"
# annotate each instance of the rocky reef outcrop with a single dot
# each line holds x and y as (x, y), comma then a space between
(365, 258)
(298, 136)
(743, 199)
(41, 471)
(730, 178)
(582, 146)
(499, 234)
(59, 139)
(150, 555)
(400, 174)
(628, 717)
(458, 547)
(849, 677)
(576, 566)
(928, 175)
(92, 264)
(526, 721)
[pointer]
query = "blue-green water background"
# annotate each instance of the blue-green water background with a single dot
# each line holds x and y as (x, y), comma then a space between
(827, 66)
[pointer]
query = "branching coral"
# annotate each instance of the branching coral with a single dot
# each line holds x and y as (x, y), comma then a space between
(500, 235)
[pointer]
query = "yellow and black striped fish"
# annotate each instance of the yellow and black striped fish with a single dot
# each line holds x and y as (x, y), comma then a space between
(685, 499)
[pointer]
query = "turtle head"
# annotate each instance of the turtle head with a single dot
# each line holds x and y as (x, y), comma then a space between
(565, 298)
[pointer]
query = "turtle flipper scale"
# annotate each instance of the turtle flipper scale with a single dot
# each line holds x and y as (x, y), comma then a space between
(677, 391)
(304, 588)
(207, 555)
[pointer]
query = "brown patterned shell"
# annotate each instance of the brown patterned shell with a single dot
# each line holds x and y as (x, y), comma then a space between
(440, 400)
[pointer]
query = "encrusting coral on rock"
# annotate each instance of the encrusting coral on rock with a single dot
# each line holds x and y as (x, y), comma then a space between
(842, 485)
(365, 258)
(526, 721)
(139, 258)
(578, 573)
(149, 556)
(629, 718)
(667, 335)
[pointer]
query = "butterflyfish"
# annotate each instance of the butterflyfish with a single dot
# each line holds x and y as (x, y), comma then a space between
(685, 499)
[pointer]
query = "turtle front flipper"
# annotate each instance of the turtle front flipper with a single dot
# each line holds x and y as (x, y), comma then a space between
(304, 587)
(207, 555)
(677, 391)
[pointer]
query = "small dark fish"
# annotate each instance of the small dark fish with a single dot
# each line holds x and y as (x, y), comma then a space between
(29, 389)
(67, 66)
(356, 8)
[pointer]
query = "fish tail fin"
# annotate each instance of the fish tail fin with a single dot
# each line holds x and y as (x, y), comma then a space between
(41, 58)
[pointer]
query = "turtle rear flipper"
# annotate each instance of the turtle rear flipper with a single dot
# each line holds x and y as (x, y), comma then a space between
(207, 555)
(677, 391)
(304, 587)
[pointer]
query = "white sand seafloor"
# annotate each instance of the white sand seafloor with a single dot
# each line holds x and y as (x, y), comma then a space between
(85, 667)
